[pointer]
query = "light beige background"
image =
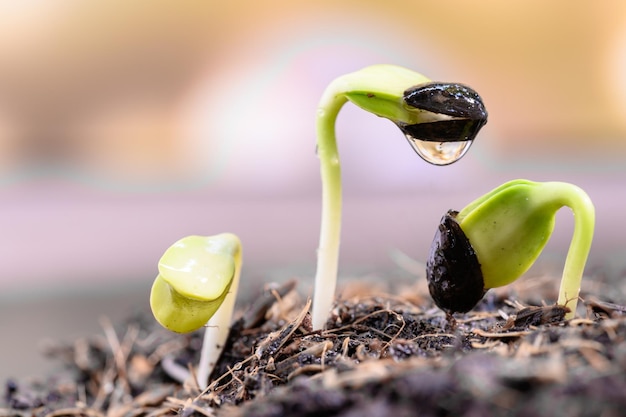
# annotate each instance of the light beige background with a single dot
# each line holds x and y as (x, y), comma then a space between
(127, 125)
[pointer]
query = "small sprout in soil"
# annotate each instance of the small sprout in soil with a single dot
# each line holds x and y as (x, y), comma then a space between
(497, 237)
(440, 121)
(197, 286)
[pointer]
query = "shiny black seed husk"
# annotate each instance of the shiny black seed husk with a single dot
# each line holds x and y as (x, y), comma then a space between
(458, 101)
(451, 99)
(455, 280)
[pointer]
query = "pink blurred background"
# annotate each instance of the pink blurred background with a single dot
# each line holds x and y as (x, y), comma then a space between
(127, 125)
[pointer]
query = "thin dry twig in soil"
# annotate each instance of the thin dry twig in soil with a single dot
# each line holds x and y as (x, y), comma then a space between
(379, 355)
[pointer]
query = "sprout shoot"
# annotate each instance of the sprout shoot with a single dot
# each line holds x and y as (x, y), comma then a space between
(197, 286)
(440, 121)
(496, 238)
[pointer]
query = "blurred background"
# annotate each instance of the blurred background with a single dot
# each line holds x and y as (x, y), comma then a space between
(125, 126)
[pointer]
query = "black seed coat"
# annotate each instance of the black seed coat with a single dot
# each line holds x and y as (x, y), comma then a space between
(455, 280)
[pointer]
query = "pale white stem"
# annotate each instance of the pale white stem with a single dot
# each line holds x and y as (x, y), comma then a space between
(328, 249)
(217, 330)
(378, 89)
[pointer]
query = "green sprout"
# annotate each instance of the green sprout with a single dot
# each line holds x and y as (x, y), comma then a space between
(496, 238)
(197, 286)
(440, 121)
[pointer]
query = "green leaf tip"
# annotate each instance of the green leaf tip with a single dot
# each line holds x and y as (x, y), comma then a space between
(509, 228)
(379, 89)
(504, 232)
(410, 99)
(195, 275)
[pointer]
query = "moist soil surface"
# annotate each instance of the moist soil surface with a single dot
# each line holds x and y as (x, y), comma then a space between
(384, 352)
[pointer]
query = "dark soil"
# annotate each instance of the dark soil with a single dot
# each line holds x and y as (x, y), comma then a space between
(380, 355)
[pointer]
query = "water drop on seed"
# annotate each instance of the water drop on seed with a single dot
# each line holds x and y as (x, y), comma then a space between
(439, 153)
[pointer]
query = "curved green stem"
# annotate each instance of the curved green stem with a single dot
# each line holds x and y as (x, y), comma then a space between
(328, 249)
(384, 90)
(584, 222)
(378, 89)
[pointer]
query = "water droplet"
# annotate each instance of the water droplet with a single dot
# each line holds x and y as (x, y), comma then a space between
(439, 153)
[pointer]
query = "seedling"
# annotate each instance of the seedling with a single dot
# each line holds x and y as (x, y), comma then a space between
(440, 121)
(496, 238)
(197, 286)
